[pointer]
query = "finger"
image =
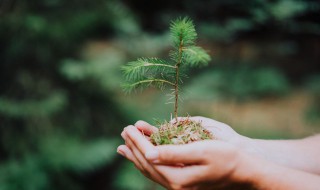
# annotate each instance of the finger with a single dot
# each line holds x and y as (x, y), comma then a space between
(138, 139)
(145, 135)
(123, 133)
(221, 131)
(147, 168)
(206, 122)
(148, 138)
(126, 152)
(145, 127)
(136, 156)
(178, 154)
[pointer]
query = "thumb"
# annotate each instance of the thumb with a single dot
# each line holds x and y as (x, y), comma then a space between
(176, 154)
(145, 127)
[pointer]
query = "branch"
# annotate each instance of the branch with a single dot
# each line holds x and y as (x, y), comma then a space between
(196, 56)
(153, 80)
(160, 82)
(152, 66)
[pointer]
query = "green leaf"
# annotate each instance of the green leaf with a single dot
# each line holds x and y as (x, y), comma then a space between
(196, 56)
(183, 31)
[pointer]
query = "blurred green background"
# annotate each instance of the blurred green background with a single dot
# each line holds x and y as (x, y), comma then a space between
(62, 107)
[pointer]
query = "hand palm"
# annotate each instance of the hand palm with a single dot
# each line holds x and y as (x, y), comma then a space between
(220, 131)
(197, 176)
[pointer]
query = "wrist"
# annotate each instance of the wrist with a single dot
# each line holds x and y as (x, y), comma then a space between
(250, 170)
(258, 173)
(243, 143)
(249, 159)
(249, 146)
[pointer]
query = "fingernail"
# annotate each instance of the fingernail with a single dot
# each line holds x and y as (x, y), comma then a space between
(152, 155)
(121, 153)
(137, 123)
(123, 135)
(130, 126)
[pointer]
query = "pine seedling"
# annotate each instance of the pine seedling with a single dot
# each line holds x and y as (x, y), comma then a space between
(146, 72)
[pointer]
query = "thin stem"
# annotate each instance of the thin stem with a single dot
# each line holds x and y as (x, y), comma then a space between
(146, 64)
(157, 64)
(152, 80)
(176, 86)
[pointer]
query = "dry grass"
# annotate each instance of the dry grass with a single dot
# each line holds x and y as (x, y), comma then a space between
(181, 132)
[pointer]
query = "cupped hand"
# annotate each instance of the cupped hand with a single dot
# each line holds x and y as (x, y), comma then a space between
(201, 165)
(220, 131)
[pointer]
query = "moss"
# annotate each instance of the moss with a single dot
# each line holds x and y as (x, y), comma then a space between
(181, 132)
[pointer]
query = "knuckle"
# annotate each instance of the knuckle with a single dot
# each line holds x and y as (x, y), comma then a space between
(146, 173)
(206, 152)
(138, 167)
(178, 183)
(165, 155)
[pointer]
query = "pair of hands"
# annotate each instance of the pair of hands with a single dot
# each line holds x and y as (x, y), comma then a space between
(200, 165)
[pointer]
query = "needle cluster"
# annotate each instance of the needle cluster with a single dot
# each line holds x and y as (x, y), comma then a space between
(146, 72)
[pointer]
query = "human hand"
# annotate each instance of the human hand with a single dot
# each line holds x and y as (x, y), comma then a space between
(269, 150)
(200, 165)
(220, 131)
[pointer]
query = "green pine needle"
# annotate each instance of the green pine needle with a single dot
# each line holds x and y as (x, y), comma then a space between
(196, 56)
(146, 66)
(159, 83)
(146, 72)
(183, 31)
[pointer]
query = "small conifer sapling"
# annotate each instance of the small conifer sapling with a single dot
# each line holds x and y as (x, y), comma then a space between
(146, 72)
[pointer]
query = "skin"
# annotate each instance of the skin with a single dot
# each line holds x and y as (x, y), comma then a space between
(231, 161)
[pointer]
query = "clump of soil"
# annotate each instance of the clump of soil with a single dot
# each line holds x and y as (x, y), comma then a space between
(181, 132)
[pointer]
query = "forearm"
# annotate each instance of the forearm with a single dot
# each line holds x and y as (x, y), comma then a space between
(301, 154)
(264, 175)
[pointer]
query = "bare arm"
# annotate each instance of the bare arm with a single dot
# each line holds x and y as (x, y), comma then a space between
(303, 154)
(266, 175)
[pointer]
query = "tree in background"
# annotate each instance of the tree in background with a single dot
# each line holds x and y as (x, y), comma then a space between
(55, 132)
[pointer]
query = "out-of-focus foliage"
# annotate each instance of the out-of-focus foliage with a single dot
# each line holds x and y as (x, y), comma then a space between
(96, 69)
(242, 84)
(56, 156)
(61, 105)
(313, 85)
(280, 33)
(58, 120)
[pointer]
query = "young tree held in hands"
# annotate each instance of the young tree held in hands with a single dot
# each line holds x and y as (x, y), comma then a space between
(145, 72)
